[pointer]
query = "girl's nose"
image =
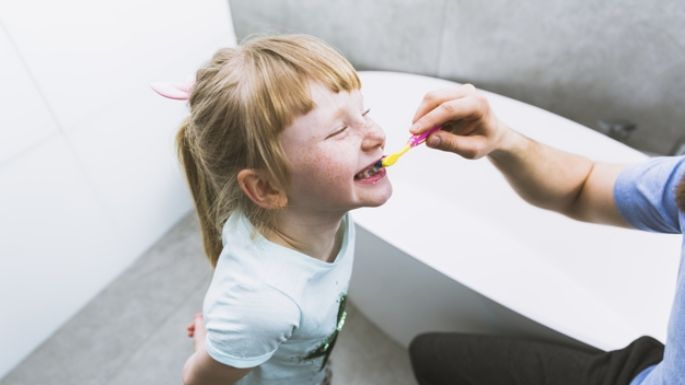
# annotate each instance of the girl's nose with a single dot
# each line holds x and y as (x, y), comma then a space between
(374, 138)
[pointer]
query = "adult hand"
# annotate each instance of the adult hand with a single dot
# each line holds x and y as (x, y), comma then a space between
(470, 128)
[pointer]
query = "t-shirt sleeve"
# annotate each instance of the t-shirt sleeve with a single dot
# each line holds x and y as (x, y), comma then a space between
(645, 194)
(245, 326)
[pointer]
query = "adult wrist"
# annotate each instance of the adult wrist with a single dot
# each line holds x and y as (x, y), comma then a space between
(511, 143)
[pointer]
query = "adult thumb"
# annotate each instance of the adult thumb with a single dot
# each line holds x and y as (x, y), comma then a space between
(465, 146)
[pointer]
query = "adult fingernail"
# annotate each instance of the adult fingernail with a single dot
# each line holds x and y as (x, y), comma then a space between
(434, 141)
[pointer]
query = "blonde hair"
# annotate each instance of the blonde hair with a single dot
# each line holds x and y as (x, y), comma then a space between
(242, 100)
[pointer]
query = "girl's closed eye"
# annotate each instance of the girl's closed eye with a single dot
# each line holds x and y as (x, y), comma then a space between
(338, 132)
(365, 114)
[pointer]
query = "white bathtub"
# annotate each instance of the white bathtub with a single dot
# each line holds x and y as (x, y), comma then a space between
(455, 249)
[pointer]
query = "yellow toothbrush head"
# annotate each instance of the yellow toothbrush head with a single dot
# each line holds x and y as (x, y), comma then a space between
(392, 158)
(389, 160)
(414, 141)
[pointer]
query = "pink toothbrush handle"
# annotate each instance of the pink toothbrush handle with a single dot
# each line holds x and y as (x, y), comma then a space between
(420, 138)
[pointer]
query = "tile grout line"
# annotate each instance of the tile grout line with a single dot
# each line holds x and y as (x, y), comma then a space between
(30, 148)
(34, 81)
(118, 370)
(443, 23)
(80, 166)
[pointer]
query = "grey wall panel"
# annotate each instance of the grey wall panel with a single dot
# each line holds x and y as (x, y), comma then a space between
(583, 60)
(586, 61)
(258, 17)
(397, 35)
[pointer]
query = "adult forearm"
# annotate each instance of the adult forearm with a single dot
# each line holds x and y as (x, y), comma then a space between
(542, 175)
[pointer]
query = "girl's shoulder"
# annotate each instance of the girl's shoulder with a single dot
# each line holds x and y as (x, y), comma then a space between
(252, 305)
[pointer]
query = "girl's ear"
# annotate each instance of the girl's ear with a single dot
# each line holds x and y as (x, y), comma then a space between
(260, 190)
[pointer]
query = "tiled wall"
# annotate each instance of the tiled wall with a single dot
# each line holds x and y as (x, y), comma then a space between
(587, 61)
(88, 174)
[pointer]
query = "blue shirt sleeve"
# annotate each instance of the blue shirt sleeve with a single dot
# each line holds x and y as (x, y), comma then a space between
(645, 194)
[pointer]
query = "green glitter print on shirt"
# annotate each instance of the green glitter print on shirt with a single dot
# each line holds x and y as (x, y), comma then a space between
(324, 350)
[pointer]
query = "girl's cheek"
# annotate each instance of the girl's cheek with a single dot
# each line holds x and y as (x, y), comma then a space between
(337, 159)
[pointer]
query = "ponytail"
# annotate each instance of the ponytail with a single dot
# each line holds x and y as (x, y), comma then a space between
(204, 194)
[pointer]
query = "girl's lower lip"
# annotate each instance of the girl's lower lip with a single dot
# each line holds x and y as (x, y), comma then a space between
(373, 179)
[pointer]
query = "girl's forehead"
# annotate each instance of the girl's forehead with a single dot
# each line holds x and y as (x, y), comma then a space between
(329, 105)
(323, 97)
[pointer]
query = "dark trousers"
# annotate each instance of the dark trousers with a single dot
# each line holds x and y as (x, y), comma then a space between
(463, 359)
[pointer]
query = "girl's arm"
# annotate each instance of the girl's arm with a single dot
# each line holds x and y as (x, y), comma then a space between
(201, 368)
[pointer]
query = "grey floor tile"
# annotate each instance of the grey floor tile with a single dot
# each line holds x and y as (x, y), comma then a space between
(93, 345)
(161, 358)
(364, 355)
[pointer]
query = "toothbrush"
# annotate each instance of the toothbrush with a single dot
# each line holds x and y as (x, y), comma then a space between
(414, 141)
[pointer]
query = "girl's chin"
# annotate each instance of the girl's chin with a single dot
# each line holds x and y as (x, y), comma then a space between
(381, 195)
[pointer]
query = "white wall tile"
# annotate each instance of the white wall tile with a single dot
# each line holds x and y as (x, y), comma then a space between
(131, 161)
(25, 119)
(87, 55)
(58, 247)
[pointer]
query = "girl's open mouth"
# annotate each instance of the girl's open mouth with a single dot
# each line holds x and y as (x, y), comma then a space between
(370, 174)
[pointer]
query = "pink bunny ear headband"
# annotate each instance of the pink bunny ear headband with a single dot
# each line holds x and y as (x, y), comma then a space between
(176, 91)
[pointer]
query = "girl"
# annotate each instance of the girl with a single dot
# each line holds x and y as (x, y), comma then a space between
(277, 150)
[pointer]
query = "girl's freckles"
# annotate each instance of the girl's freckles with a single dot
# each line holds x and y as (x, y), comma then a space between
(319, 167)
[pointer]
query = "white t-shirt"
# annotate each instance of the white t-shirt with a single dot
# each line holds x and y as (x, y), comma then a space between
(273, 308)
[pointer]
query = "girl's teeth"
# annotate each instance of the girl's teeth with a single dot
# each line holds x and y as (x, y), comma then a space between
(368, 172)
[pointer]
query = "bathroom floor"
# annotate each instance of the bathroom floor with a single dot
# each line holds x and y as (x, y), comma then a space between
(133, 332)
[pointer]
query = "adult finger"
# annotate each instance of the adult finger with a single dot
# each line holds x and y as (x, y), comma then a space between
(469, 147)
(450, 111)
(434, 98)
